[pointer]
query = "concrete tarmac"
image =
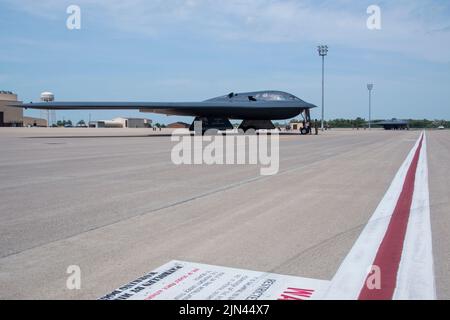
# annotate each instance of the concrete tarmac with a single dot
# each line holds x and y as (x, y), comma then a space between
(113, 203)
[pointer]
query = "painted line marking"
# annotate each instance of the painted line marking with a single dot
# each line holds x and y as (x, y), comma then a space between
(415, 278)
(397, 239)
(391, 248)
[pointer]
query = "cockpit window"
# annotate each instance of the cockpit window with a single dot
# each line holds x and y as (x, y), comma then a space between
(276, 96)
(257, 96)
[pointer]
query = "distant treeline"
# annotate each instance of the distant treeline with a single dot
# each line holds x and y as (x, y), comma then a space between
(361, 123)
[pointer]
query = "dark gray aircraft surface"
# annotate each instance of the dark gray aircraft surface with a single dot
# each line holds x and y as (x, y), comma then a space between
(394, 124)
(256, 109)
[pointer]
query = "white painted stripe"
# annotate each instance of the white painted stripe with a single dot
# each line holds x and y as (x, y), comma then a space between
(415, 278)
(351, 275)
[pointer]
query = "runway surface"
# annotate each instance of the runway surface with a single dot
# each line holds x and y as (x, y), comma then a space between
(113, 203)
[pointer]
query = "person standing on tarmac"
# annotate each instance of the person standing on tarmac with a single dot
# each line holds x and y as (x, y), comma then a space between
(316, 127)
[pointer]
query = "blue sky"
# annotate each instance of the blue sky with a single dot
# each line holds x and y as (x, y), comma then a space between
(191, 50)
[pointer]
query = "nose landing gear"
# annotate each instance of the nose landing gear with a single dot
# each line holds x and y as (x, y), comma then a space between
(306, 128)
(304, 131)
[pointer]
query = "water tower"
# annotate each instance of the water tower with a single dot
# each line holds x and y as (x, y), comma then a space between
(47, 96)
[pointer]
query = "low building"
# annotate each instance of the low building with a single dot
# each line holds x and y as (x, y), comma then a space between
(121, 122)
(9, 116)
(105, 124)
(178, 125)
(394, 124)
(134, 122)
(34, 122)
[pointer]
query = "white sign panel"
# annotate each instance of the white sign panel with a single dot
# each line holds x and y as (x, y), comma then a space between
(179, 280)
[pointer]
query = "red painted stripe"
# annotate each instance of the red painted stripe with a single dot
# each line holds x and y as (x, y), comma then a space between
(390, 251)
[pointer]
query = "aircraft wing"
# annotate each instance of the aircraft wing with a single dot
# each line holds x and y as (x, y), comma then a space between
(259, 105)
(169, 108)
(232, 110)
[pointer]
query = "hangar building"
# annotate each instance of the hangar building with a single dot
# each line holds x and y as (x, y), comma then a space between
(9, 116)
(13, 117)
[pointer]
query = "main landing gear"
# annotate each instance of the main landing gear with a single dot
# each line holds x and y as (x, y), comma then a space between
(211, 124)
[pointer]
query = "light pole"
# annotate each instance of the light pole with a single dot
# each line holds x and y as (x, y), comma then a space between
(323, 51)
(370, 87)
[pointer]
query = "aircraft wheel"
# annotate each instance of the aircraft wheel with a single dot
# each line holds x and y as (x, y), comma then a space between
(303, 131)
(250, 130)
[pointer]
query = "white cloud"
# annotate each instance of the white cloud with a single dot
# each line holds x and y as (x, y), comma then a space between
(414, 28)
